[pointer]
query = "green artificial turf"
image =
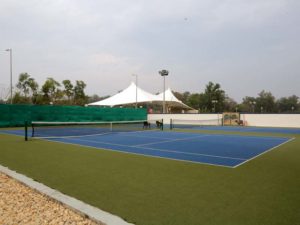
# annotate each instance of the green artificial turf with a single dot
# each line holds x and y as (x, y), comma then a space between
(154, 191)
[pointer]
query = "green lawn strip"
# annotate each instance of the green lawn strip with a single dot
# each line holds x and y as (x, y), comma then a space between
(146, 190)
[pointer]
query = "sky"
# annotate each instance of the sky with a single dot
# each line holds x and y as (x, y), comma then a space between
(245, 46)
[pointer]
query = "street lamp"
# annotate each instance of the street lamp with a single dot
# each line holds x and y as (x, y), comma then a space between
(252, 103)
(164, 73)
(136, 84)
(214, 102)
(10, 53)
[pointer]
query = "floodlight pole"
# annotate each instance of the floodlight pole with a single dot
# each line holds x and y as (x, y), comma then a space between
(214, 102)
(136, 84)
(253, 103)
(10, 53)
(164, 73)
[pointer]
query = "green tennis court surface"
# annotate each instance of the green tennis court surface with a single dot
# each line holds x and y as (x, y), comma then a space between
(145, 190)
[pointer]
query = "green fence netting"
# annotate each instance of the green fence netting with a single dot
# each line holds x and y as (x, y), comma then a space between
(16, 115)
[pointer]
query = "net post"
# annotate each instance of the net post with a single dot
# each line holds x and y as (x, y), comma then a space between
(111, 126)
(162, 124)
(26, 130)
(32, 130)
(171, 124)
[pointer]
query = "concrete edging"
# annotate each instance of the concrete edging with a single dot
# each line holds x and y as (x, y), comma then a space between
(76, 205)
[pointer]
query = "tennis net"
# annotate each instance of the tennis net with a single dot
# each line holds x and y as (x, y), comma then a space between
(194, 124)
(43, 129)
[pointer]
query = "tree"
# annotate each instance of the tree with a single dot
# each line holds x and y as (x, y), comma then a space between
(230, 105)
(50, 90)
(68, 89)
(27, 87)
(288, 104)
(23, 84)
(265, 102)
(214, 97)
(194, 101)
(79, 96)
(248, 104)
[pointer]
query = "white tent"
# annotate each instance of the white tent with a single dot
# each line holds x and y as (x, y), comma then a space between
(127, 96)
(172, 101)
(134, 94)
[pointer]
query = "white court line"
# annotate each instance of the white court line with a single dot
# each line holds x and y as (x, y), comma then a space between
(88, 135)
(277, 146)
(159, 150)
(127, 134)
(171, 140)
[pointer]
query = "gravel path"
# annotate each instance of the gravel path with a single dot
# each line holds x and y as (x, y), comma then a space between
(21, 205)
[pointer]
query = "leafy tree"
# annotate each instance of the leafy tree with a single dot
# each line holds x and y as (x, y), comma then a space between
(185, 97)
(248, 104)
(288, 104)
(68, 89)
(79, 95)
(51, 91)
(265, 102)
(18, 98)
(194, 101)
(182, 96)
(27, 89)
(23, 84)
(230, 105)
(213, 92)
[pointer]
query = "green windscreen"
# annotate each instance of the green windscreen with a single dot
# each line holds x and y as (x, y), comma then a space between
(16, 115)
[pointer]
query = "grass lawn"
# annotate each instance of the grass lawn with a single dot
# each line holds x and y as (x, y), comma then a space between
(154, 191)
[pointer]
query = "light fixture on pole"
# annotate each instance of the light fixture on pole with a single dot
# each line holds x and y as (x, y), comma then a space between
(214, 102)
(164, 73)
(252, 103)
(136, 93)
(10, 53)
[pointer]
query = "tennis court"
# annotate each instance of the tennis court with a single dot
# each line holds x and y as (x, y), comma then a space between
(243, 129)
(215, 125)
(212, 149)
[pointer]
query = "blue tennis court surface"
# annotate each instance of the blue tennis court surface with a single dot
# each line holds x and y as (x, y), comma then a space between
(213, 149)
(242, 129)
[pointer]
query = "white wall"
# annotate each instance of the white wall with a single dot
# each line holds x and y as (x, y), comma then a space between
(167, 117)
(259, 120)
(272, 120)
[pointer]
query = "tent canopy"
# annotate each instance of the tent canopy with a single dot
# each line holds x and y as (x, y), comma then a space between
(128, 96)
(171, 100)
(133, 94)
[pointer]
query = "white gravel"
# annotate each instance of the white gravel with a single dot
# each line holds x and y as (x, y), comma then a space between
(20, 204)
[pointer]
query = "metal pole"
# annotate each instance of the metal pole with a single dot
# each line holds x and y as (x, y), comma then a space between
(164, 103)
(136, 84)
(10, 57)
(11, 97)
(164, 73)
